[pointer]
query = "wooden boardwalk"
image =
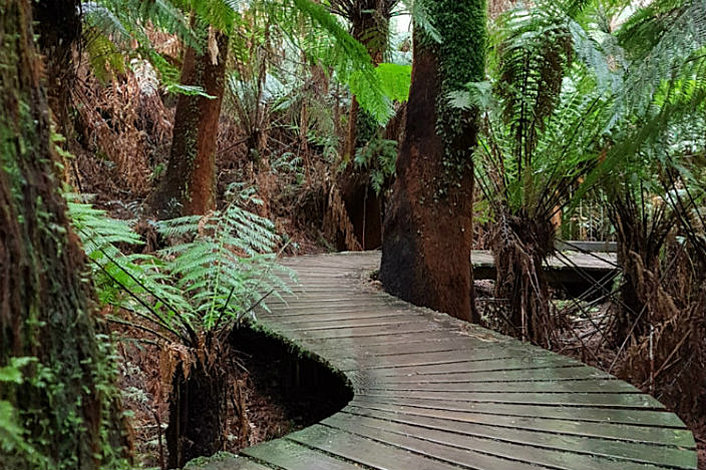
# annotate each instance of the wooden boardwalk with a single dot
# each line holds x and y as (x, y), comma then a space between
(433, 393)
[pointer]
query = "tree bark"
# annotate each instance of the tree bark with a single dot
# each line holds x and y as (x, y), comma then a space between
(640, 241)
(427, 232)
(198, 411)
(189, 184)
(59, 29)
(370, 24)
(520, 245)
(67, 403)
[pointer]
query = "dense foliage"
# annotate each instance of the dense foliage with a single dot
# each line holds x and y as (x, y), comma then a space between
(573, 107)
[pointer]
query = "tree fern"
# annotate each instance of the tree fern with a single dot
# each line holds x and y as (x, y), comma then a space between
(544, 107)
(223, 266)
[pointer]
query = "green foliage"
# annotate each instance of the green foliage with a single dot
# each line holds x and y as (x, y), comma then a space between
(544, 113)
(220, 268)
(13, 435)
(112, 25)
(394, 80)
(379, 156)
(228, 267)
(658, 116)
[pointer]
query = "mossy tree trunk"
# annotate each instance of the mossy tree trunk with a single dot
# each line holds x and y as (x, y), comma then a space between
(188, 186)
(427, 232)
(67, 402)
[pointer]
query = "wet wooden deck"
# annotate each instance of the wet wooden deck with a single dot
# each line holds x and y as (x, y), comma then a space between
(433, 393)
(570, 270)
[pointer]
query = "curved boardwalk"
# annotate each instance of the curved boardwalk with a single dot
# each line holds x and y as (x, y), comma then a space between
(433, 393)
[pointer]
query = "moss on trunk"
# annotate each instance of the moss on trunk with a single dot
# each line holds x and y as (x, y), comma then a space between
(67, 402)
(427, 231)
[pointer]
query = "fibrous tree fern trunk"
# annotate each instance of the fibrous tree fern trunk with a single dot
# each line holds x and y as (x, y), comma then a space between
(520, 244)
(660, 324)
(198, 408)
(427, 232)
(67, 402)
(189, 183)
(370, 24)
(641, 236)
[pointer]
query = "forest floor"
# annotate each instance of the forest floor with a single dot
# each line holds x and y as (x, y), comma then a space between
(273, 404)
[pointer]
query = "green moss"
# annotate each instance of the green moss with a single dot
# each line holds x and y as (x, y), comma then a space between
(298, 350)
(461, 55)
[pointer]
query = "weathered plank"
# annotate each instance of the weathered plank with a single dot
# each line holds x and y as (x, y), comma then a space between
(440, 443)
(377, 454)
(616, 450)
(605, 430)
(585, 413)
(288, 454)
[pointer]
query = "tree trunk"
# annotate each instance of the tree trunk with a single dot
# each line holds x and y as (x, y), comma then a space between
(189, 184)
(59, 29)
(427, 232)
(370, 26)
(67, 403)
(197, 412)
(640, 240)
(520, 245)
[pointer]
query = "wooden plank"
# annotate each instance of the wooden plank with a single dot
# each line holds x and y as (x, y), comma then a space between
(393, 342)
(587, 413)
(362, 332)
(609, 400)
(555, 439)
(416, 344)
(377, 454)
(603, 430)
(229, 463)
(289, 455)
(535, 386)
(337, 318)
(438, 442)
(406, 367)
(352, 324)
(480, 380)
(500, 357)
(463, 366)
(509, 375)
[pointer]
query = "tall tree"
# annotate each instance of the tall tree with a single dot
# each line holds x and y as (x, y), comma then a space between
(427, 231)
(60, 408)
(189, 184)
(370, 25)
(59, 30)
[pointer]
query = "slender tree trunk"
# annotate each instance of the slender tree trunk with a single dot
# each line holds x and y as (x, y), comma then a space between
(370, 26)
(189, 184)
(59, 30)
(73, 420)
(197, 412)
(427, 233)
